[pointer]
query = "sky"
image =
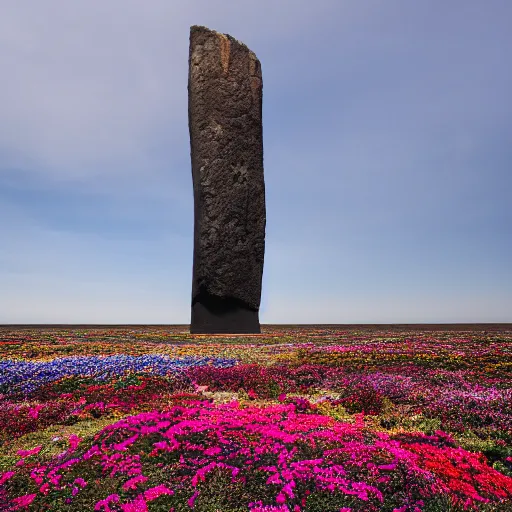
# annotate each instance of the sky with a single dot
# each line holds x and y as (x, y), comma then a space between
(387, 153)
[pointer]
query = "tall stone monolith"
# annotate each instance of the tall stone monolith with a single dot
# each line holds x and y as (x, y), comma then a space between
(226, 138)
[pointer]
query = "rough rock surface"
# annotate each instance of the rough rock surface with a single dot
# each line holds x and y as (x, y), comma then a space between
(226, 138)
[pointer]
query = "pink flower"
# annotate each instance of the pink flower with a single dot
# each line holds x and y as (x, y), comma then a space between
(27, 453)
(281, 498)
(34, 411)
(103, 504)
(137, 505)
(127, 442)
(192, 499)
(388, 467)
(74, 441)
(5, 476)
(213, 450)
(288, 489)
(55, 479)
(274, 479)
(24, 501)
(80, 481)
(132, 482)
(93, 450)
(154, 492)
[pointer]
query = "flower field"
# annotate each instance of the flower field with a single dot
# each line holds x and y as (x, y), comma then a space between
(294, 420)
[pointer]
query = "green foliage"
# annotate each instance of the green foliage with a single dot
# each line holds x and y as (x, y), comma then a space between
(130, 379)
(327, 502)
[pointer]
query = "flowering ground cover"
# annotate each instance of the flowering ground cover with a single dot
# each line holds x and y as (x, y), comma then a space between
(297, 420)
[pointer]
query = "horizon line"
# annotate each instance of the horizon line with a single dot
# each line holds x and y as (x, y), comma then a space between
(473, 325)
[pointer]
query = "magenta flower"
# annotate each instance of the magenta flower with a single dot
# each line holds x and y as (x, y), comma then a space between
(132, 482)
(137, 505)
(104, 504)
(5, 476)
(154, 492)
(24, 501)
(34, 411)
(281, 498)
(387, 467)
(192, 499)
(80, 481)
(74, 441)
(45, 488)
(27, 453)
(122, 446)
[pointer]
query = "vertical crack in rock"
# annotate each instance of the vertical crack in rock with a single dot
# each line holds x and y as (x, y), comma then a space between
(226, 139)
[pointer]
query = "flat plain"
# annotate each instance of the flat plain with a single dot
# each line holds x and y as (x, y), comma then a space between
(398, 418)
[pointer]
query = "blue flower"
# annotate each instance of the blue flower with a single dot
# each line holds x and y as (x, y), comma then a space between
(26, 376)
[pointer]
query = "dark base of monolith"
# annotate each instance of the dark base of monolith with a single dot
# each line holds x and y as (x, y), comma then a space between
(216, 315)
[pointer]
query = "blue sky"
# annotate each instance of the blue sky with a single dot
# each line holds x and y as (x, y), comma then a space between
(388, 159)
